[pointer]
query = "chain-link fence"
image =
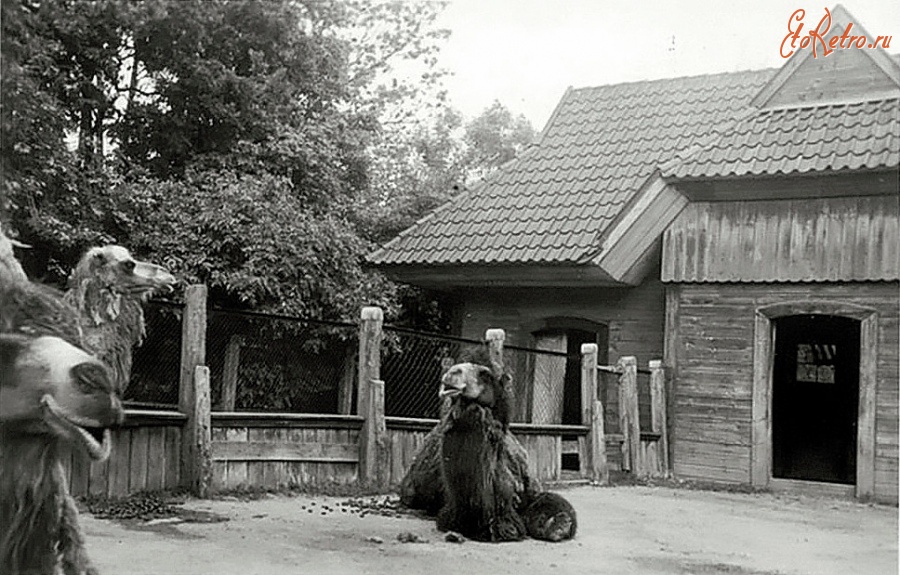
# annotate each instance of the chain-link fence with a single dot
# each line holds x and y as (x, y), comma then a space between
(156, 366)
(543, 384)
(411, 367)
(274, 363)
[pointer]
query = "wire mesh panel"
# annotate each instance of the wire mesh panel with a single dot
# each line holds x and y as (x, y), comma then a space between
(156, 366)
(411, 367)
(547, 384)
(271, 363)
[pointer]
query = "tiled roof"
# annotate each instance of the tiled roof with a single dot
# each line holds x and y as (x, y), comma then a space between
(857, 136)
(551, 205)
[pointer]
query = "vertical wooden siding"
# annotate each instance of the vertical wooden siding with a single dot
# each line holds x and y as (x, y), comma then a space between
(714, 385)
(270, 454)
(143, 458)
(824, 239)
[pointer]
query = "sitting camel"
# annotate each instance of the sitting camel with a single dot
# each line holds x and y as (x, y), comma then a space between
(51, 393)
(485, 488)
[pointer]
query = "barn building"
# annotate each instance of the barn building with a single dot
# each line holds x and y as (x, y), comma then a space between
(741, 226)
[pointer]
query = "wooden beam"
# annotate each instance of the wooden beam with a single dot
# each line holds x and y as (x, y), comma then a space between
(282, 451)
(292, 420)
(658, 415)
(374, 460)
(761, 408)
(199, 434)
(496, 339)
(193, 355)
(592, 459)
(629, 421)
(670, 359)
(868, 387)
(369, 364)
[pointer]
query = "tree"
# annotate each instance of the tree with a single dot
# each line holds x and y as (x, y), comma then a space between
(415, 170)
(233, 155)
(494, 138)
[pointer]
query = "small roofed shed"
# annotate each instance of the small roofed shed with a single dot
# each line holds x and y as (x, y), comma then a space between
(743, 226)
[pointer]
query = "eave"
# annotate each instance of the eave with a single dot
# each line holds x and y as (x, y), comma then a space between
(449, 277)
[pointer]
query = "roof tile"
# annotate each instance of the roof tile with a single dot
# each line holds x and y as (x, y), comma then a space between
(800, 140)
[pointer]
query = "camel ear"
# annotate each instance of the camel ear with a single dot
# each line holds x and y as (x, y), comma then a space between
(98, 258)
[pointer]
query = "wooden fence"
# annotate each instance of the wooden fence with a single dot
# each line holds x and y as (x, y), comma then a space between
(202, 450)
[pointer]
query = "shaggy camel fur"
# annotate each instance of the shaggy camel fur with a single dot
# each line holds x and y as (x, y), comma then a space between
(52, 394)
(486, 492)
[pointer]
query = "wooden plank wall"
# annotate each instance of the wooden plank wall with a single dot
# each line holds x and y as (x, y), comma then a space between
(146, 456)
(809, 239)
(263, 451)
(714, 381)
(405, 438)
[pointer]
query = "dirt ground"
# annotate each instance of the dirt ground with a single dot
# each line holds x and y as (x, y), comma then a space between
(622, 530)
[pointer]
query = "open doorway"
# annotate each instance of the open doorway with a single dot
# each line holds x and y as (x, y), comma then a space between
(815, 398)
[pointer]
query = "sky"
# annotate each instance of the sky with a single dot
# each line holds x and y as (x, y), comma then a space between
(525, 53)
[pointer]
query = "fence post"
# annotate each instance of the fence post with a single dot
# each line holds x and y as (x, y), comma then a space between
(495, 339)
(629, 421)
(373, 439)
(369, 364)
(658, 412)
(200, 434)
(592, 457)
(230, 373)
(193, 354)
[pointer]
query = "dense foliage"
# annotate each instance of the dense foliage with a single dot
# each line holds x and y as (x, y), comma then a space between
(260, 147)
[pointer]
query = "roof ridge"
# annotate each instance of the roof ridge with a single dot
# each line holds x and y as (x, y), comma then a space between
(829, 104)
(672, 78)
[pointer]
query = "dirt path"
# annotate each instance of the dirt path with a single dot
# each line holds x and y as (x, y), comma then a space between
(624, 530)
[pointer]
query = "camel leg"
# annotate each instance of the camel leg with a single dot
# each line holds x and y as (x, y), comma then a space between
(71, 542)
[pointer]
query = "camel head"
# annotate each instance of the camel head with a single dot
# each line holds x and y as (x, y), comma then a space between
(106, 276)
(113, 268)
(470, 384)
(51, 388)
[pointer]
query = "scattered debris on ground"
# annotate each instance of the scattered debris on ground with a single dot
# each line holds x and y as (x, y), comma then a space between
(148, 507)
(410, 537)
(454, 537)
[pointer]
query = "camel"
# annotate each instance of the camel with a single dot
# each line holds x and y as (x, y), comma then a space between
(51, 394)
(101, 311)
(486, 492)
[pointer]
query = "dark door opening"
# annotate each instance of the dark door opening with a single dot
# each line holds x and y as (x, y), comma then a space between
(815, 397)
(572, 389)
